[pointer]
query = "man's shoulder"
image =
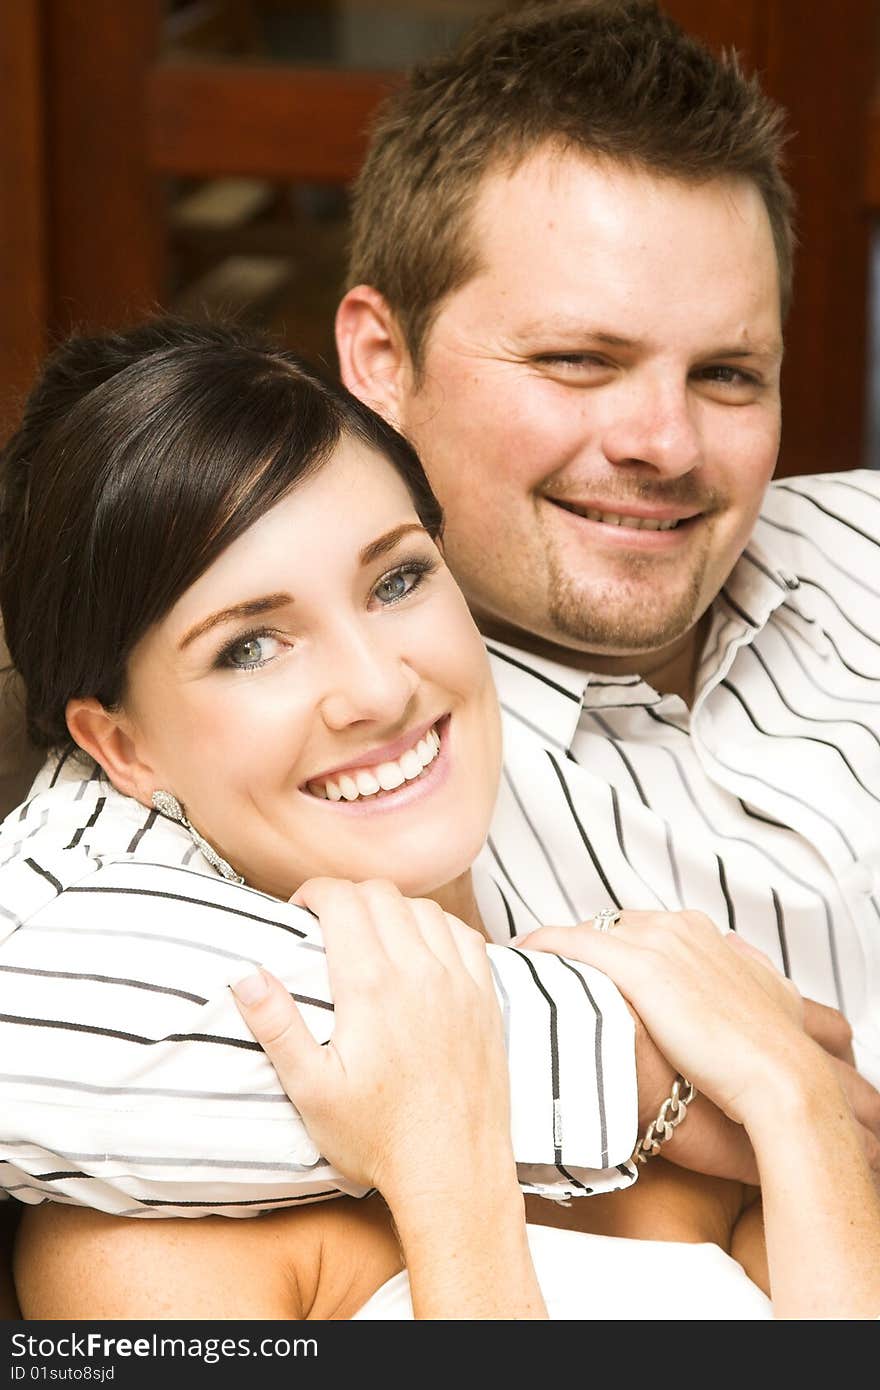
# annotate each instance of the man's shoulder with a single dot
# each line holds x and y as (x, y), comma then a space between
(823, 527)
(825, 486)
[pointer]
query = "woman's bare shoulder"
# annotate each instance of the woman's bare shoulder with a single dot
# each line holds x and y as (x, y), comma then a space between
(319, 1261)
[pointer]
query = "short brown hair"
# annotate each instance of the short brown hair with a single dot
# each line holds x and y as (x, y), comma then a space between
(609, 78)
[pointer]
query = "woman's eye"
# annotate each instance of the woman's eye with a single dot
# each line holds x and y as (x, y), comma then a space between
(250, 652)
(400, 583)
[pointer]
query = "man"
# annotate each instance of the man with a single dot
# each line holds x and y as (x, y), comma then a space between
(571, 261)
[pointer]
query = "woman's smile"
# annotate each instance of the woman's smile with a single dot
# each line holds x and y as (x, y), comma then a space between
(326, 673)
(382, 782)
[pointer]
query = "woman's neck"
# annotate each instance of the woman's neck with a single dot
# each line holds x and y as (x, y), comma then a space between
(458, 898)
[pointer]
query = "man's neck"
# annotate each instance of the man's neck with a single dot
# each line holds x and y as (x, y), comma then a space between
(671, 670)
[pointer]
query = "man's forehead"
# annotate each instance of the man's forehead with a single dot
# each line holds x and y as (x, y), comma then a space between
(562, 240)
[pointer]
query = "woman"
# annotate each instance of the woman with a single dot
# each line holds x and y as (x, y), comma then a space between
(299, 688)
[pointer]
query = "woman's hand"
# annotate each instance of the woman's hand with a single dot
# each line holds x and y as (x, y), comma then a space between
(414, 1081)
(715, 1006)
(411, 1094)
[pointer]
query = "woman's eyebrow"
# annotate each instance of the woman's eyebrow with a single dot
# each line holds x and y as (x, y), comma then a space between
(251, 608)
(376, 549)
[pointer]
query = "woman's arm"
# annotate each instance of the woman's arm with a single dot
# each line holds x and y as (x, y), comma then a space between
(731, 1024)
(399, 1095)
(73, 1263)
(412, 1100)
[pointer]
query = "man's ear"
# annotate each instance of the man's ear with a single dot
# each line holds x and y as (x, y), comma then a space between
(105, 735)
(373, 359)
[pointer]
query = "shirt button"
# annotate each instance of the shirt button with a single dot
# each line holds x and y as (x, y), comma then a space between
(304, 1151)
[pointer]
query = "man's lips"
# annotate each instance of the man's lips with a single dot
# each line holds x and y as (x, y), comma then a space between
(634, 515)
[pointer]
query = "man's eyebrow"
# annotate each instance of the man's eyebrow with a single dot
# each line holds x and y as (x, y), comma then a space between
(576, 332)
(574, 329)
(770, 348)
(379, 547)
(250, 608)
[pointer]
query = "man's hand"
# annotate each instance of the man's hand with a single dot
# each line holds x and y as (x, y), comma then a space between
(709, 1142)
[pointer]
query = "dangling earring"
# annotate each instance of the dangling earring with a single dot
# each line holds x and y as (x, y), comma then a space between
(168, 805)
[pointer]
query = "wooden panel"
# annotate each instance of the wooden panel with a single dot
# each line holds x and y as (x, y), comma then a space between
(820, 62)
(872, 159)
(105, 215)
(22, 241)
(735, 24)
(274, 122)
(821, 65)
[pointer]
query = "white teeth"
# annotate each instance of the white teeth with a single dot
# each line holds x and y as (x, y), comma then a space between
(411, 764)
(386, 777)
(367, 784)
(390, 775)
(636, 523)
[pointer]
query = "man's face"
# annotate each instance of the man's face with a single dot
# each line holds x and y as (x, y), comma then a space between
(599, 408)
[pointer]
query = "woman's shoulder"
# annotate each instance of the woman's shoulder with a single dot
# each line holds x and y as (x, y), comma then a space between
(69, 797)
(73, 823)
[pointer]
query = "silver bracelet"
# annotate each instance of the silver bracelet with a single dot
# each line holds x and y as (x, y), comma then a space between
(672, 1112)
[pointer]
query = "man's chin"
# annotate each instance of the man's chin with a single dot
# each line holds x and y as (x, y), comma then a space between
(624, 633)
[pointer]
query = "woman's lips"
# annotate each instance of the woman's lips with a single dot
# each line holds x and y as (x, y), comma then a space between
(386, 752)
(344, 794)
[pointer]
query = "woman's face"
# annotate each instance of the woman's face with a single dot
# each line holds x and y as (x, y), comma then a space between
(320, 700)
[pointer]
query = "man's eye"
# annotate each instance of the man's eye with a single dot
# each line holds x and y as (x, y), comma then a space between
(573, 361)
(728, 376)
(248, 653)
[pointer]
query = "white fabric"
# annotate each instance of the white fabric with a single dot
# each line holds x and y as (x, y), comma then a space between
(603, 1278)
(761, 806)
(123, 1059)
(129, 1081)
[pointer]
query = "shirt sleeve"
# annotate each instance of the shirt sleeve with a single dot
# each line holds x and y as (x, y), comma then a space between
(131, 1084)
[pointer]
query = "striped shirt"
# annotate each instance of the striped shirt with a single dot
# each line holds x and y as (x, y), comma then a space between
(759, 805)
(128, 1080)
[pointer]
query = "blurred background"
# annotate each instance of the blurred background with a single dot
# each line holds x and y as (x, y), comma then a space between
(195, 155)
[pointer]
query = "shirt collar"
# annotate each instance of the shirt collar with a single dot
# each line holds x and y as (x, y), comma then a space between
(542, 693)
(757, 586)
(549, 696)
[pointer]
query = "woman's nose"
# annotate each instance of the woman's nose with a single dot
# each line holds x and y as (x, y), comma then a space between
(367, 682)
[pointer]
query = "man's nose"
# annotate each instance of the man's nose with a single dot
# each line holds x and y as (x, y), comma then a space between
(654, 427)
(365, 681)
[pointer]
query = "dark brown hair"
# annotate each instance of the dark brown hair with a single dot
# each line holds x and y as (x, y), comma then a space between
(611, 79)
(140, 457)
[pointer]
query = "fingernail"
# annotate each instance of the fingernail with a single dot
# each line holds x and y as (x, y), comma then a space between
(251, 989)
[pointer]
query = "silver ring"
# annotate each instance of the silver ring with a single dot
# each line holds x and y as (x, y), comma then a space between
(605, 919)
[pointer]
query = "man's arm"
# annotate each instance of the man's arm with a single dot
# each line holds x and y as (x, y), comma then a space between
(139, 1085)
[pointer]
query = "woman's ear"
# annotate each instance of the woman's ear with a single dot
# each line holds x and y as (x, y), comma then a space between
(373, 359)
(105, 736)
